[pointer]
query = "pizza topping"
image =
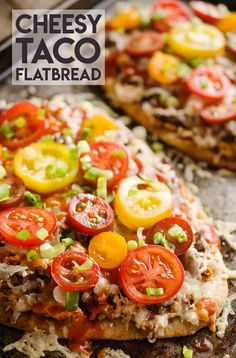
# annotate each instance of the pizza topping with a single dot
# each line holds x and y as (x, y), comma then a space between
(74, 271)
(145, 43)
(45, 167)
(90, 214)
(126, 20)
(108, 249)
(206, 307)
(167, 13)
(95, 127)
(219, 114)
(208, 83)
(20, 125)
(26, 226)
(196, 40)
(163, 68)
(207, 11)
(105, 159)
(11, 190)
(173, 233)
(151, 275)
(209, 234)
(187, 353)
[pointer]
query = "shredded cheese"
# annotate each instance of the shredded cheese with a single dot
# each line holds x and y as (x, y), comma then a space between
(222, 321)
(225, 230)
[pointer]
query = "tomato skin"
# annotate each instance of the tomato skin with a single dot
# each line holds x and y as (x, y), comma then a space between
(174, 12)
(205, 10)
(61, 271)
(37, 126)
(95, 208)
(219, 114)
(127, 20)
(13, 220)
(142, 260)
(144, 43)
(164, 225)
(208, 232)
(215, 77)
(102, 157)
(157, 68)
(17, 190)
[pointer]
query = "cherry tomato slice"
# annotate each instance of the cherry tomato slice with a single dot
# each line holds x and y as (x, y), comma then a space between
(107, 156)
(165, 225)
(208, 232)
(206, 11)
(20, 226)
(151, 267)
(66, 272)
(168, 13)
(208, 83)
(145, 43)
(231, 42)
(90, 214)
(20, 125)
(219, 114)
(16, 191)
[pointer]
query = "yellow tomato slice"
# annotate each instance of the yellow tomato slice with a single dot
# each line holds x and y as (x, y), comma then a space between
(127, 20)
(45, 167)
(141, 204)
(108, 249)
(96, 126)
(163, 68)
(196, 40)
(228, 23)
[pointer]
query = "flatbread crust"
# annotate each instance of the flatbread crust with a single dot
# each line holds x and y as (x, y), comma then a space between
(166, 132)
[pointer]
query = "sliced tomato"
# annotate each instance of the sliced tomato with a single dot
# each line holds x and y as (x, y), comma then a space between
(107, 156)
(207, 11)
(163, 68)
(167, 13)
(75, 271)
(219, 114)
(16, 191)
(90, 214)
(151, 267)
(208, 83)
(20, 226)
(208, 232)
(231, 42)
(20, 125)
(163, 227)
(145, 43)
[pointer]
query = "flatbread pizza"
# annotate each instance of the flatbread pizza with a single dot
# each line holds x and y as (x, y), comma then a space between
(171, 67)
(99, 238)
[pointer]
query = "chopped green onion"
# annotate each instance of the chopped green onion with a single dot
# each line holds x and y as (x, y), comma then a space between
(23, 235)
(172, 101)
(157, 147)
(34, 199)
(41, 113)
(133, 191)
(140, 233)
(86, 132)
(145, 178)
(67, 132)
(195, 62)
(47, 251)
(85, 266)
(49, 168)
(46, 138)
(42, 234)
(118, 153)
(177, 231)
(75, 189)
(2, 172)
(183, 70)
(93, 173)
(159, 239)
(163, 98)
(60, 173)
(102, 187)
(141, 243)
(6, 130)
(72, 300)
(74, 153)
(83, 147)
(158, 15)
(131, 245)
(187, 353)
(32, 255)
(59, 248)
(20, 122)
(145, 17)
(67, 241)
(4, 192)
(154, 291)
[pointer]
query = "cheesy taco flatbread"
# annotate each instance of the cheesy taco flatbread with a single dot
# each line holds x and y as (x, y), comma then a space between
(171, 67)
(99, 237)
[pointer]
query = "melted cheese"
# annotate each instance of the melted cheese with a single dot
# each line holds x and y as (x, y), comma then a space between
(225, 230)
(222, 321)
(34, 345)
(114, 353)
(9, 270)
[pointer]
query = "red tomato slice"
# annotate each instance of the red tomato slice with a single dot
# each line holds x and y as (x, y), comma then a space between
(108, 156)
(21, 136)
(19, 226)
(208, 83)
(168, 13)
(67, 275)
(145, 43)
(16, 191)
(206, 11)
(151, 266)
(219, 114)
(90, 214)
(208, 232)
(165, 225)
